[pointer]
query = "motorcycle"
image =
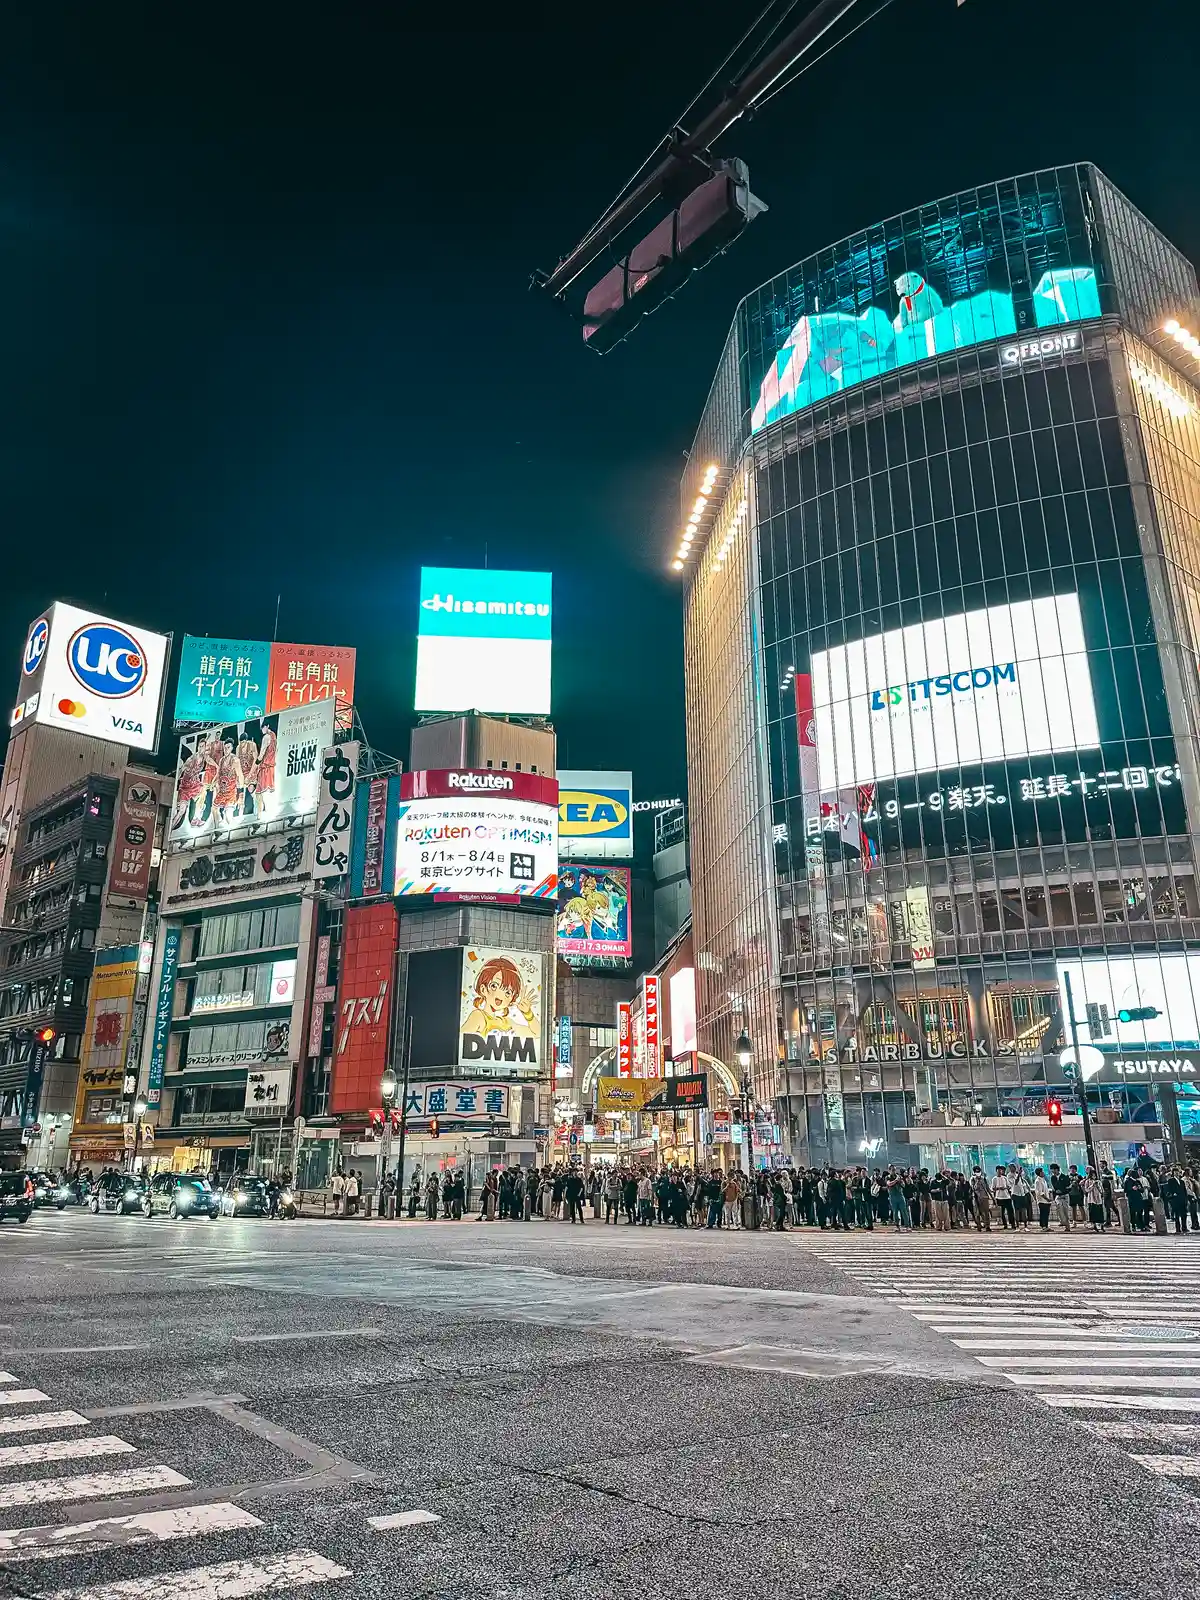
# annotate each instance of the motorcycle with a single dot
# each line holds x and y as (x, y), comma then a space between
(286, 1207)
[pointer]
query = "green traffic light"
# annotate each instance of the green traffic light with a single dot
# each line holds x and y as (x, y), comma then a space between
(1138, 1014)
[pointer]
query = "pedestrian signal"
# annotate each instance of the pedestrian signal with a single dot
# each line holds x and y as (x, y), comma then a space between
(434, 1129)
(1054, 1113)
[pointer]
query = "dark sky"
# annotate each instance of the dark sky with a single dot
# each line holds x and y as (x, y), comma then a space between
(266, 327)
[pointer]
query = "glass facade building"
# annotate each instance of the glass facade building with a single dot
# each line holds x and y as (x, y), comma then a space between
(942, 662)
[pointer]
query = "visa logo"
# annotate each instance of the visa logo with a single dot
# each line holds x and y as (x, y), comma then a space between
(582, 812)
(124, 725)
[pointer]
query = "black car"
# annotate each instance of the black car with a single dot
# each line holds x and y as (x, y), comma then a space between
(246, 1197)
(16, 1196)
(190, 1195)
(122, 1192)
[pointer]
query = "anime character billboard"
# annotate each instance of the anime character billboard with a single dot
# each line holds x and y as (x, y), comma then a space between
(593, 911)
(500, 1010)
(245, 776)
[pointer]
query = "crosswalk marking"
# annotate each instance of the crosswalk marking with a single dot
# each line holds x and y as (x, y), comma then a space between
(1171, 1466)
(286, 1573)
(42, 1422)
(81, 1538)
(91, 1486)
(226, 1580)
(106, 1444)
(1098, 1329)
(21, 1397)
(402, 1519)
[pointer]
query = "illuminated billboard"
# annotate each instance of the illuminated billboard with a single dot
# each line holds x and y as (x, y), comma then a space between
(1007, 681)
(483, 641)
(477, 835)
(243, 679)
(247, 776)
(593, 912)
(595, 815)
(91, 674)
(500, 1012)
(830, 350)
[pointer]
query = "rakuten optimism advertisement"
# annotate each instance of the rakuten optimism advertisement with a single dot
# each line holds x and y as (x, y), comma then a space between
(478, 835)
(987, 685)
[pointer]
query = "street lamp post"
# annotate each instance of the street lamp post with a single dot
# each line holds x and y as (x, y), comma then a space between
(387, 1090)
(1073, 1022)
(139, 1112)
(744, 1052)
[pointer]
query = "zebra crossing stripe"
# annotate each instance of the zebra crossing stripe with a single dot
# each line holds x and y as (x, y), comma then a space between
(227, 1580)
(80, 1538)
(1162, 1432)
(7, 1377)
(1084, 1346)
(91, 1486)
(42, 1422)
(1127, 1402)
(105, 1444)
(1141, 1363)
(1100, 1380)
(402, 1519)
(21, 1397)
(1170, 1466)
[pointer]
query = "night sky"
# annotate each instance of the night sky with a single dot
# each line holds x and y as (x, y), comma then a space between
(267, 323)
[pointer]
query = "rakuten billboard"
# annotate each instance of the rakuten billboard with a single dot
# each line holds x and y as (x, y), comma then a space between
(478, 835)
(989, 685)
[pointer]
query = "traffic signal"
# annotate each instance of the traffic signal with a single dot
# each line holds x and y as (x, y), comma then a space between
(1138, 1013)
(48, 1035)
(434, 1128)
(1054, 1113)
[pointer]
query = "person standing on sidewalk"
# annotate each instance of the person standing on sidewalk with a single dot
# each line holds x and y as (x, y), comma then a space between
(1060, 1185)
(1002, 1195)
(1043, 1199)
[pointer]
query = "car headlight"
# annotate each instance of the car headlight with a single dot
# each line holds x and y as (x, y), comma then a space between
(287, 1195)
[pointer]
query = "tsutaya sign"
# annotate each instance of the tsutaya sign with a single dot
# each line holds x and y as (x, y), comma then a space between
(1101, 1067)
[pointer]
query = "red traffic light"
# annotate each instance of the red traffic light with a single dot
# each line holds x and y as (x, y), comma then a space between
(1054, 1112)
(46, 1035)
(434, 1128)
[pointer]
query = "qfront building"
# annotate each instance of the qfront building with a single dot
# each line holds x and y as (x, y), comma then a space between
(942, 651)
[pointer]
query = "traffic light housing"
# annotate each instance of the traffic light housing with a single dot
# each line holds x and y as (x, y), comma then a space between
(1054, 1113)
(48, 1035)
(434, 1128)
(1138, 1013)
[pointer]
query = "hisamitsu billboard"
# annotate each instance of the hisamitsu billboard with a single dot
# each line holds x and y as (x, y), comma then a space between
(483, 641)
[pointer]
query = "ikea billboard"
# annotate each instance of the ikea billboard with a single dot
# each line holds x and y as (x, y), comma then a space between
(595, 816)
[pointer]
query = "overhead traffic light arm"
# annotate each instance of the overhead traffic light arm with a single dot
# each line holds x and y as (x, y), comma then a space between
(687, 162)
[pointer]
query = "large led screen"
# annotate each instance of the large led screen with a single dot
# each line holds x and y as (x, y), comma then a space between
(477, 835)
(827, 351)
(1168, 984)
(988, 685)
(483, 641)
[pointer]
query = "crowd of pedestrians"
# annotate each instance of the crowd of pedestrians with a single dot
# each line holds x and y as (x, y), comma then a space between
(1009, 1197)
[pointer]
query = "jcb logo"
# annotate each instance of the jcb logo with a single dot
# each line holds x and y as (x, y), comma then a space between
(592, 813)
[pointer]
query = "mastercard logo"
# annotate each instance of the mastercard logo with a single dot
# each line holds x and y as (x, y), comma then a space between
(72, 708)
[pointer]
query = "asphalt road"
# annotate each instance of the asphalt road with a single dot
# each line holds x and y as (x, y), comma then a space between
(517, 1410)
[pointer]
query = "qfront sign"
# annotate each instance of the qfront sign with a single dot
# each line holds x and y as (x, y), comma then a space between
(483, 641)
(93, 675)
(1023, 351)
(990, 685)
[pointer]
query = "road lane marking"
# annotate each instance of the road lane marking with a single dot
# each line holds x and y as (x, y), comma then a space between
(1142, 1363)
(1127, 1402)
(1100, 1380)
(105, 1444)
(1163, 1432)
(227, 1580)
(402, 1519)
(42, 1422)
(91, 1486)
(80, 1538)
(320, 1333)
